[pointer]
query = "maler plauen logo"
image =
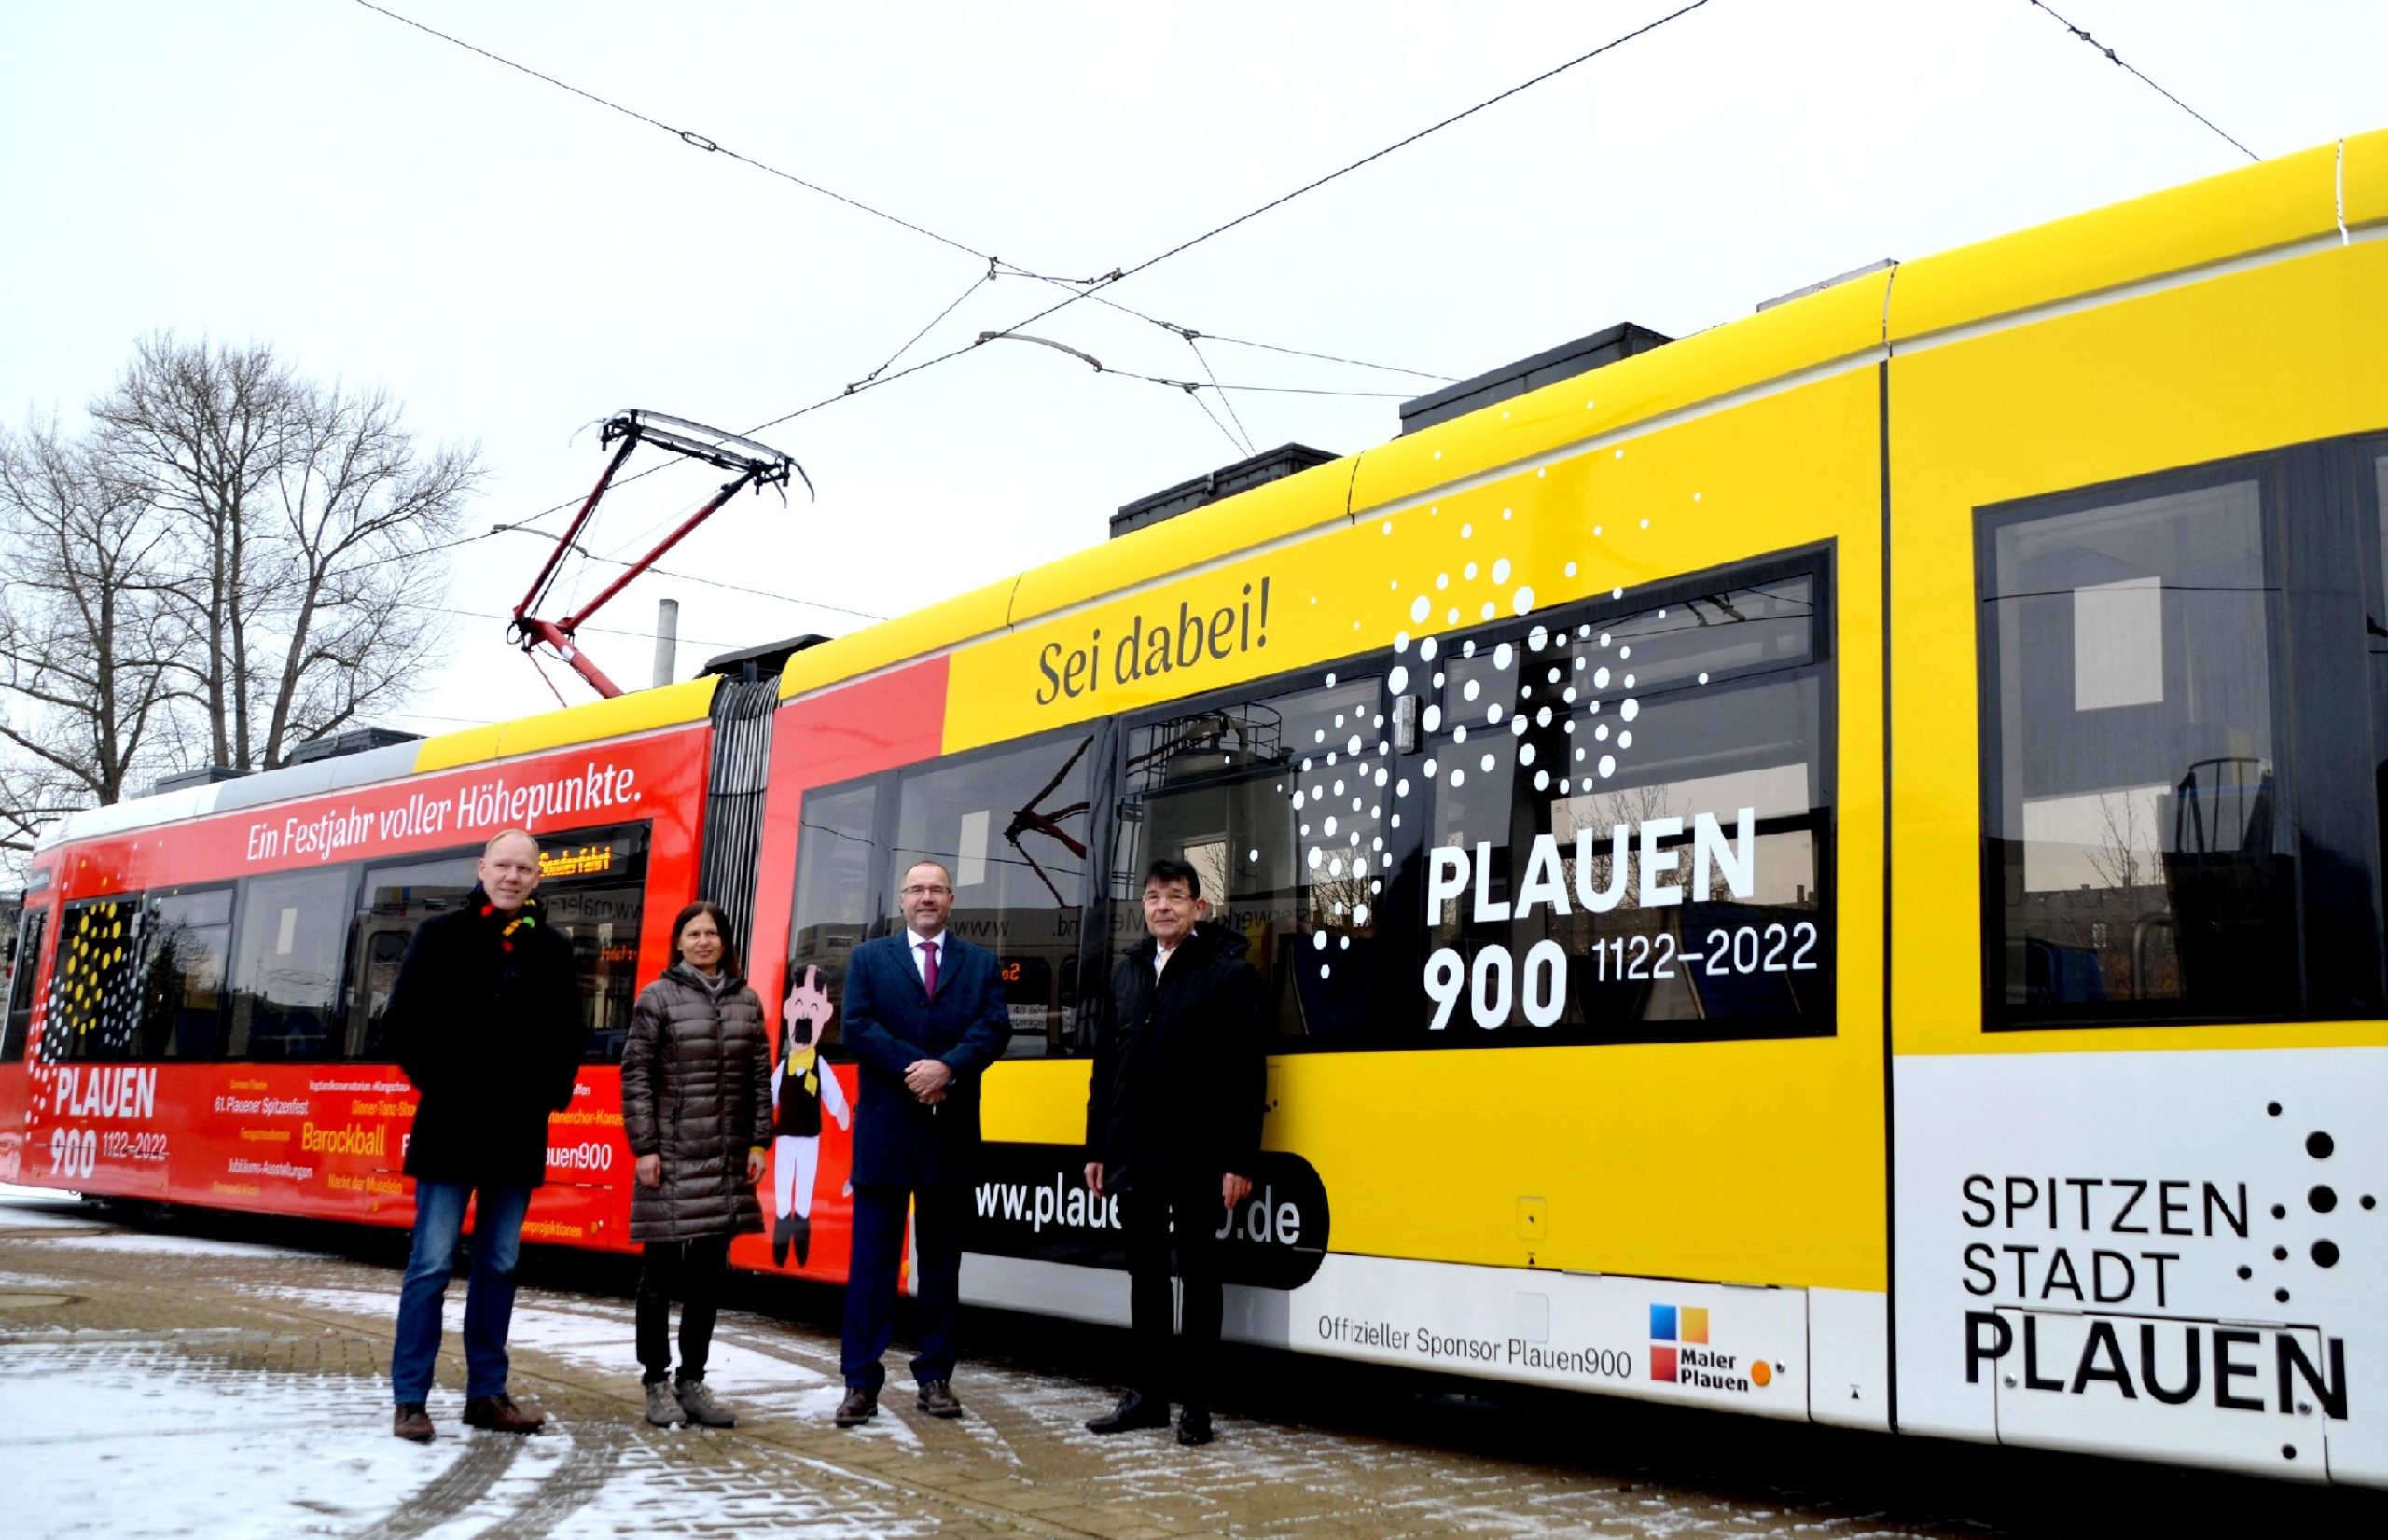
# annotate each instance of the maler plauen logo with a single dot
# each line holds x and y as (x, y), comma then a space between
(1680, 1353)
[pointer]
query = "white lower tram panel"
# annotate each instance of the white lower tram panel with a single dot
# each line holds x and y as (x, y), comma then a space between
(2167, 1256)
(1775, 1353)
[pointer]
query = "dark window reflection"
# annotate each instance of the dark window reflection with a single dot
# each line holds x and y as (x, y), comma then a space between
(1244, 792)
(592, 884)
(94, 985)
(837, 873)
(26, 966)
(2138, 833)
(187, 944)
(1627, 823)
(1012, 827)
(286, 965)
(394, 904)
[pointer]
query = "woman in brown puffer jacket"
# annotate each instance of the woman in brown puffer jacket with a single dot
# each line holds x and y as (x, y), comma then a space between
(696, 1110)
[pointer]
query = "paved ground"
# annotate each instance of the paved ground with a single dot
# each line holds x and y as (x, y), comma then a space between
(229, 1382)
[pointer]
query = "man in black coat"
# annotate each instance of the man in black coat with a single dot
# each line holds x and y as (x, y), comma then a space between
(485, 1019)
(1172, 1127)
(924, 1016)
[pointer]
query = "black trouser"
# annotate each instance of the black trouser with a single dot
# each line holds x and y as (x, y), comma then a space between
(877, 1258)
(693, 1271)
(1147, 1214)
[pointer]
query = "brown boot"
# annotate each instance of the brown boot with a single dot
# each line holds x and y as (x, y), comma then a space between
(412, 1423)
(858, 1407)
(499, 1414)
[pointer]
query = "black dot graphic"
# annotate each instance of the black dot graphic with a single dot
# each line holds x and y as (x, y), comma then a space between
(2280, 1254)
(2325, 1254)
(2319, 1145)
(2280, 1295)
(2322, 1199)
(2279, 1210)
(2246, 1272)
(2369, 1201)
(2272, 1107)
(2288, 1451)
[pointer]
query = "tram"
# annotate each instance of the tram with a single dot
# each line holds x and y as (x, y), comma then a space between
(1824, 869)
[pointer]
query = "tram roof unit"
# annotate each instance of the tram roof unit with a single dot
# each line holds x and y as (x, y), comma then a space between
(2322, 194)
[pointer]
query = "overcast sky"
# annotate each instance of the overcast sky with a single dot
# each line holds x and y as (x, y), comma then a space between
(514, 261)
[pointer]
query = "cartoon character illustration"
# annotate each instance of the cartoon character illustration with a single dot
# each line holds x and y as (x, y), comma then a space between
(802, 1086)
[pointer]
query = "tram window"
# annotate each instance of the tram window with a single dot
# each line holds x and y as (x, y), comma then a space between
(286, 958)
(592, 884)
(1627, 823)
(838, 879)
(1011, 827)
(392, 904)
(187, 941)
(94, 984)
(1243, 791)
(26, 966)
(2141, 858)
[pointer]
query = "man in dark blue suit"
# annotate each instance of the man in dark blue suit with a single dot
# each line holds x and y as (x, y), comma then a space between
(924, 1016)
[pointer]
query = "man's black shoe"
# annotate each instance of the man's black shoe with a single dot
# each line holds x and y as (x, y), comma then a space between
(1132, 1412)
(780, 1238)
(858, 1407)
(1194, 1426)
(938, 1399)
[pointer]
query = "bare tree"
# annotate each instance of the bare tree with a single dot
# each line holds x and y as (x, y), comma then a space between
(308, 526)
(361, 519)
(2118, 862)
(89, 649)
(194, 429)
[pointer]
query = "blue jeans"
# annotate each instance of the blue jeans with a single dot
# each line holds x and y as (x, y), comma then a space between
(489, 1298)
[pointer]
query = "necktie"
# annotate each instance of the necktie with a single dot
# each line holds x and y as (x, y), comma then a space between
(928, 967)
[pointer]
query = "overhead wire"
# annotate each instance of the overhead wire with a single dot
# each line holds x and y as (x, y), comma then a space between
(689, 137)
(2118, 60)
(976, 284)
(1119, 275)
(1223, 400)
(1076, 287)
(714, 582)
(1078, 290)
(1190, 332)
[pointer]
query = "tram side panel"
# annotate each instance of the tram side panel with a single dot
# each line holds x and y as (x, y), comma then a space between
(1522, 1126)
(2138, 983)
(851, 733)
(208, 1029)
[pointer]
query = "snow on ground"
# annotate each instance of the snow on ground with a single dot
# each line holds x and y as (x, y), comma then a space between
(172, 1245)
(593, 1334)
(42, 1208)
(132, 1438)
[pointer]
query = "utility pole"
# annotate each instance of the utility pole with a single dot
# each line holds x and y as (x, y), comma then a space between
(667, 640)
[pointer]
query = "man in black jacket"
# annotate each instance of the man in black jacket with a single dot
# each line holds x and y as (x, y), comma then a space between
(1172, 1126)
(485, 1019)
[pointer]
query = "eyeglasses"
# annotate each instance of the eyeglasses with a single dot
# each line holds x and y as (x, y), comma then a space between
(919, 890)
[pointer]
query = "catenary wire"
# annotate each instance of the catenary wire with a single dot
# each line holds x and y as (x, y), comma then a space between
(708, 582)
(1119, 275)
(1076, 294)
(687, 136)
(1234, 416)
(703, 142)
(2118, 60)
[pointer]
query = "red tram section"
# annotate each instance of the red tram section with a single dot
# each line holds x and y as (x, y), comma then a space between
(195, 1016)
